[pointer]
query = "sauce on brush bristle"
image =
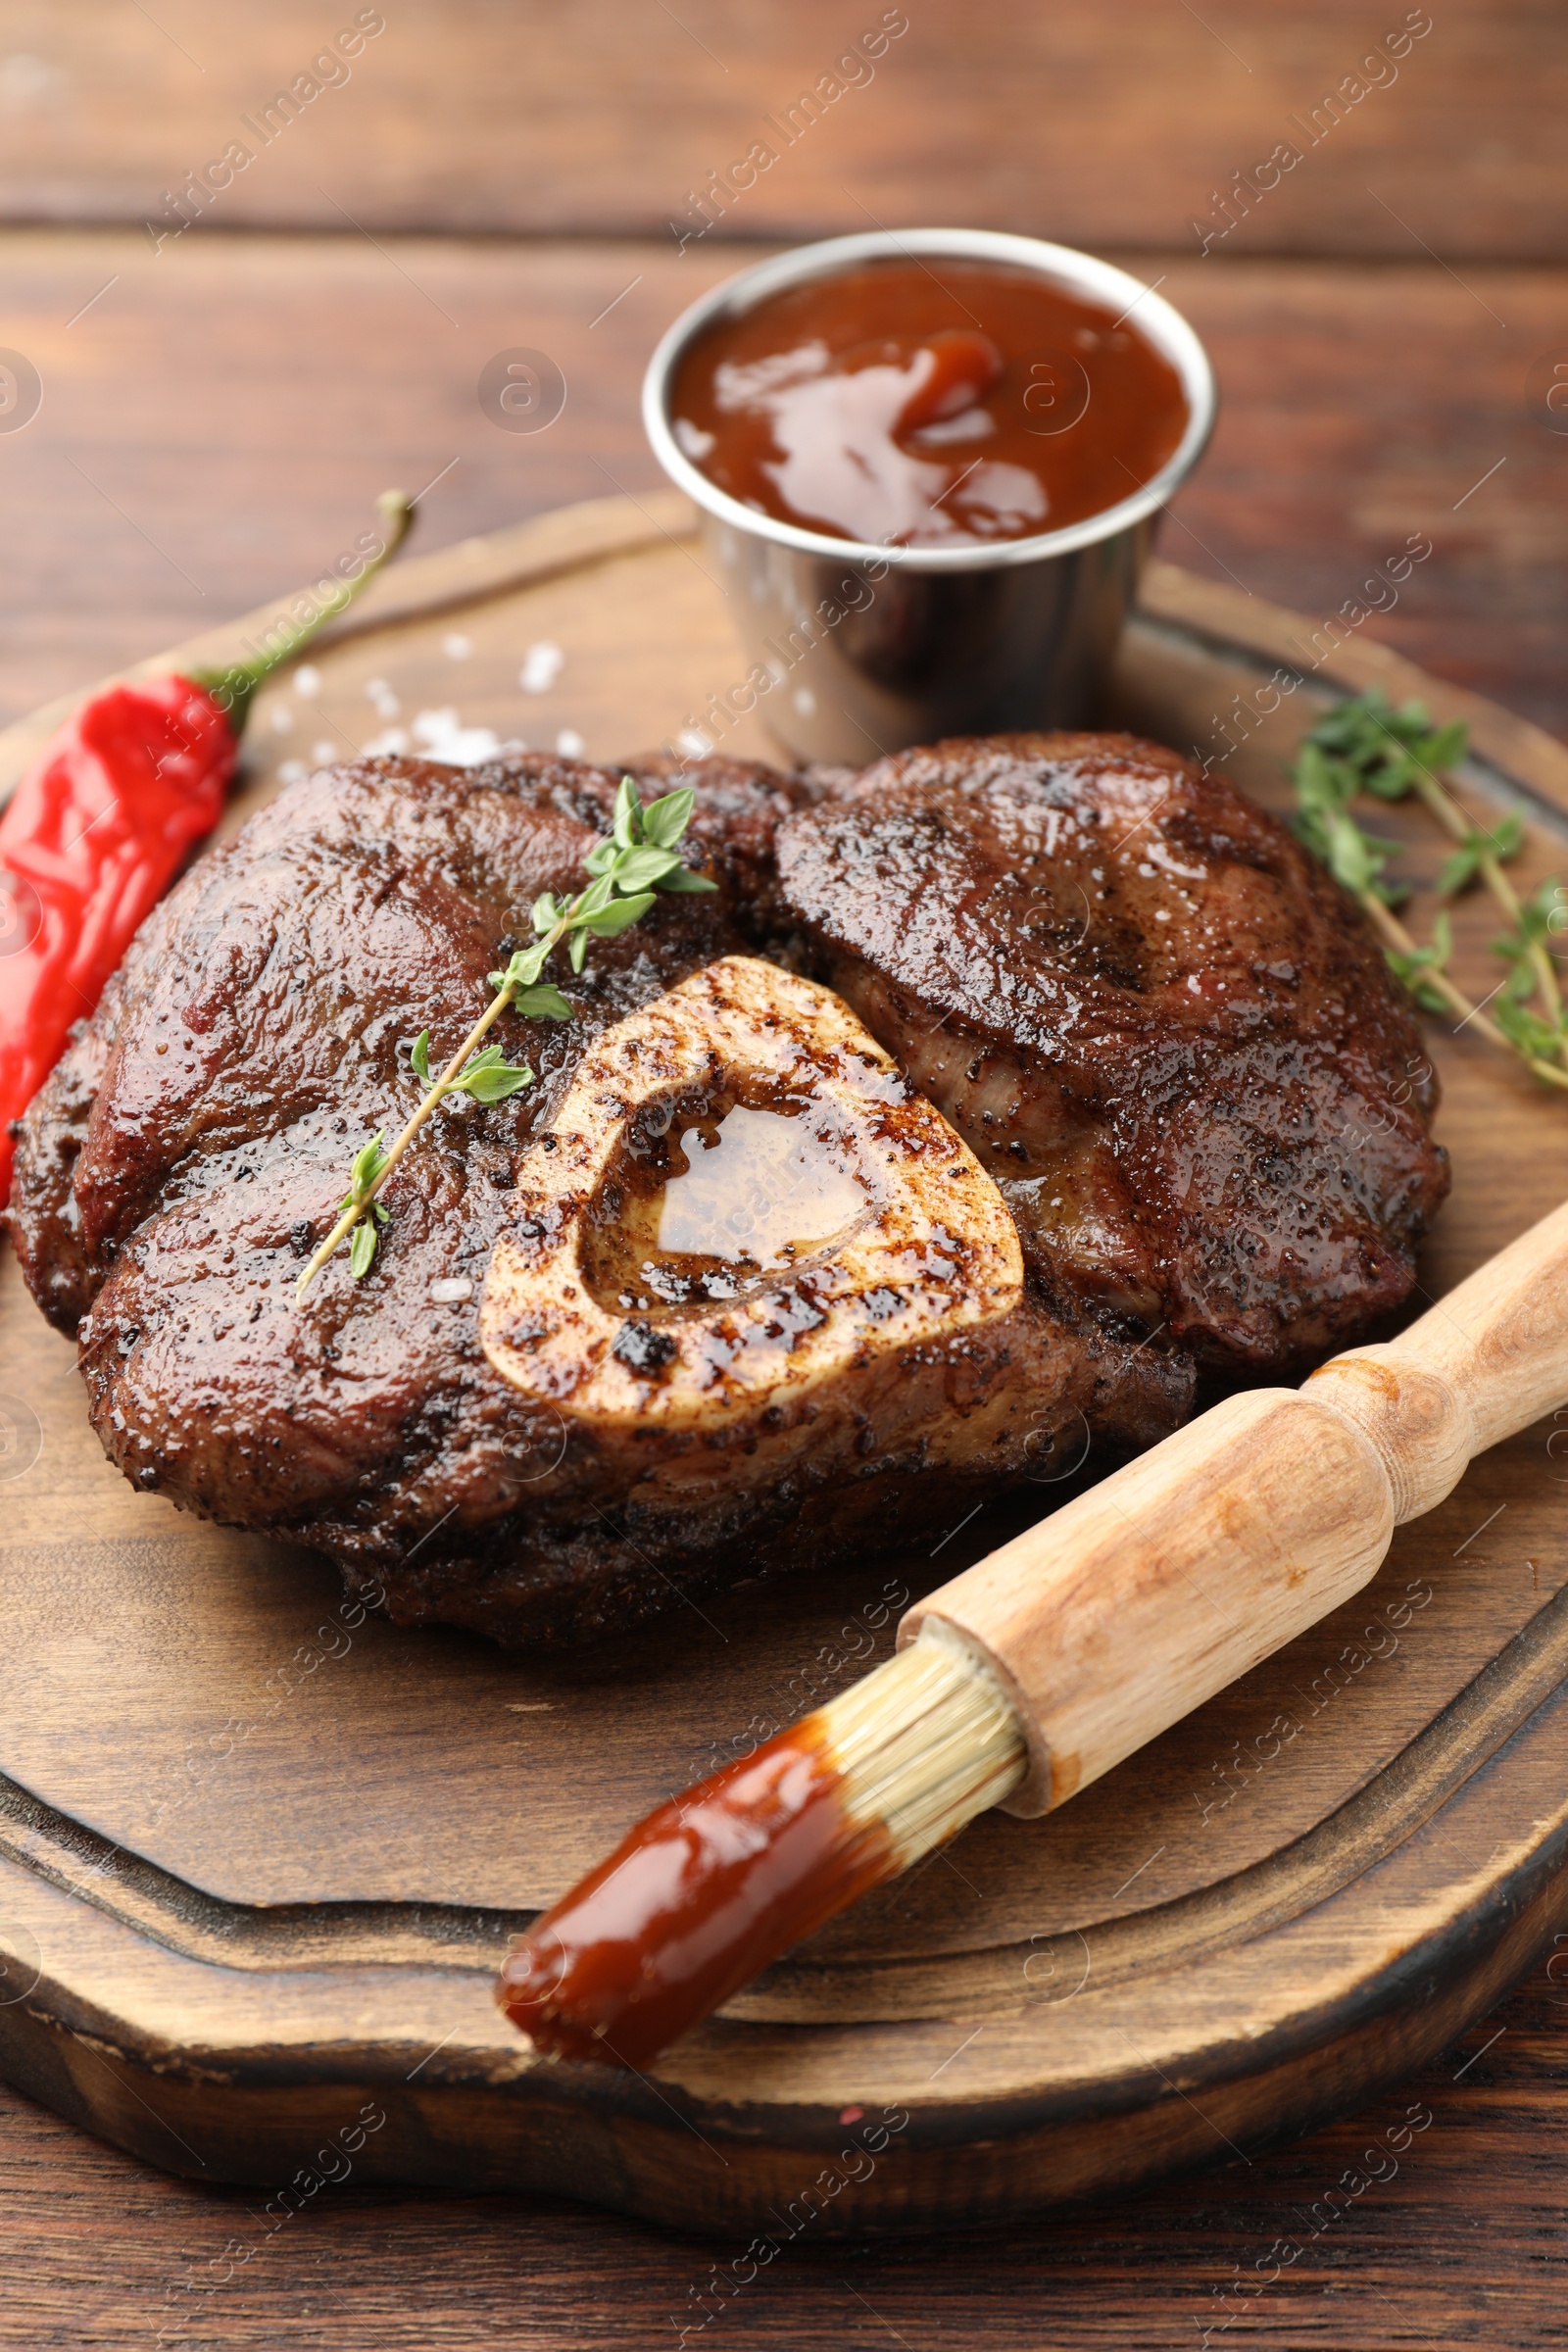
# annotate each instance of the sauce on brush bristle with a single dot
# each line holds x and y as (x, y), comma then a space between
(692, 1902)
(717, 1883)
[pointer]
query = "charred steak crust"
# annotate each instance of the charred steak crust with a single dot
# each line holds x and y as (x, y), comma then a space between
(272, 983)
(181, 1160)
(1158, 1021)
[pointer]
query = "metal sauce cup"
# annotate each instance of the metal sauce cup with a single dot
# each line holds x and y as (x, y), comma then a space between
(866, 649)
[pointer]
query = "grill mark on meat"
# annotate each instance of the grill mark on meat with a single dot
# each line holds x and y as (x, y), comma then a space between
(1156, 1020)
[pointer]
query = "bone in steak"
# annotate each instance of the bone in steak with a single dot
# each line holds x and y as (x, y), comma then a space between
(1158, 1021)
(187, 1153)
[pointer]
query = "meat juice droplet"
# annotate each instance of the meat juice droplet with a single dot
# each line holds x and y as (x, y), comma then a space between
(909, 404)
(691, 1904)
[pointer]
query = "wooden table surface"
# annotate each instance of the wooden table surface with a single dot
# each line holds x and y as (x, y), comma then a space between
(220, 406)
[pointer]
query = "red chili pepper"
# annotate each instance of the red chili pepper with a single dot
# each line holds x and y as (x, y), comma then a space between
(88, 843)
(94, 834)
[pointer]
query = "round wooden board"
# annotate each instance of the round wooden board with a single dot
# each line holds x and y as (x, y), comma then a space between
(260, 1854)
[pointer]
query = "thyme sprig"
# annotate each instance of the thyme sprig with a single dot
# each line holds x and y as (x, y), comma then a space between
(370, 1166)
(1367, 746)
(637, 860)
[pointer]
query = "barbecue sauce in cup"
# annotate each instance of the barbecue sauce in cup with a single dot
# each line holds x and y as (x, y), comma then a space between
(937, 403)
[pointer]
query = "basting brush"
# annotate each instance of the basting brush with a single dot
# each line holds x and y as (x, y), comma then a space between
(1037, 1670)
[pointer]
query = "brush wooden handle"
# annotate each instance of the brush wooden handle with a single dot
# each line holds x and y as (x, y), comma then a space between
(1131, 1605)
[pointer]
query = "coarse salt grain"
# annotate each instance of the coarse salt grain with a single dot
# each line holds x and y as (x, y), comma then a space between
(444, 736)
(542, 665)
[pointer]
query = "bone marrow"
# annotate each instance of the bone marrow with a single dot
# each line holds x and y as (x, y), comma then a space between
(920, 1246)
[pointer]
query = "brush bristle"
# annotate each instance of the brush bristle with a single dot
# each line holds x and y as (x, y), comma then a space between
(715, 1884)
(924, 1743)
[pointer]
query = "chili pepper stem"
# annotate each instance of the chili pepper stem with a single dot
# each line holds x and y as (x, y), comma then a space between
(1395, 935)
(440, 1087)
(233, 687)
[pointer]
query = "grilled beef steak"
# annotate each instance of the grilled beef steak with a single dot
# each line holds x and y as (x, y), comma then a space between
(1157, 1022)
(190, 1149)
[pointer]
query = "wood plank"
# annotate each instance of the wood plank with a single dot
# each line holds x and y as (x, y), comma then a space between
(1357, 407)
(625, 666)
(185, 1710)
(1463, 2244)
(1458, 2243)
(206, 2073)
(538, 120)
(448, 579)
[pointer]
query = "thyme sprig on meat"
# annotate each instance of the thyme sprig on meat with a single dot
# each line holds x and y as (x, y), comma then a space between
(1367, 746)
(630, 868)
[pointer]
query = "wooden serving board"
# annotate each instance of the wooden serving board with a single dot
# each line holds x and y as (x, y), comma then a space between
(260, 1853)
